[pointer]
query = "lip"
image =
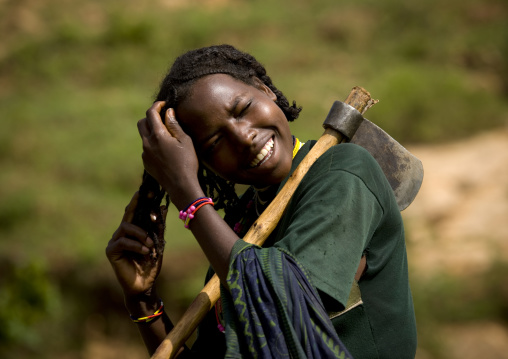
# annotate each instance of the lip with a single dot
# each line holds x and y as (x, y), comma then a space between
(270, 147)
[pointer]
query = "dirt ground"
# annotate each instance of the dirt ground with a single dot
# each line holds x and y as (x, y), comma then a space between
(458, 225)
(459, 221)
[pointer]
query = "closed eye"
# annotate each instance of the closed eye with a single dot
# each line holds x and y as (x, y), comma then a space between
(244, 109)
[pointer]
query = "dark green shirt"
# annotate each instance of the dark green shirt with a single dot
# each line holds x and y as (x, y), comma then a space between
(345, 208)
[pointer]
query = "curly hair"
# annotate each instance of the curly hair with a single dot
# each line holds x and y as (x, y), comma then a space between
(176, 86)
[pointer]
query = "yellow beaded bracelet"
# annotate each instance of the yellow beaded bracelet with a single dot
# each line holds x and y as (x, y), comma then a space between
(149, 318)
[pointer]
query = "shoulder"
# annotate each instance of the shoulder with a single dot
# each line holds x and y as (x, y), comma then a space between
(349, 158)
(346, 163)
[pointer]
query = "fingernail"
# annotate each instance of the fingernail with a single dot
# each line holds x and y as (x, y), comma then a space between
(153, 217)
(149, 242)
(171, 114)
(145, 250)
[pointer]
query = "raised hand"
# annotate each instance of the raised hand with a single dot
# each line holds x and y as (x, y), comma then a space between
(168, 152)
(132, 254)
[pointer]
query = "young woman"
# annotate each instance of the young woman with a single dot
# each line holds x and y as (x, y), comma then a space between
(335, 267)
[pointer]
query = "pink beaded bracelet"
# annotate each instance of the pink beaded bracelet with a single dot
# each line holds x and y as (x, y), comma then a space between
(188, 213)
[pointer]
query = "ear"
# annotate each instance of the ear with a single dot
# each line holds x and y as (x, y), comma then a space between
(263, 88)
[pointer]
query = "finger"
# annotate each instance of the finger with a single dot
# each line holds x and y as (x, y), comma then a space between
(172, 124)
(116, 249)
(130, 230)
(143, 128)
(153, 117)
(134, 232)
(130, 209)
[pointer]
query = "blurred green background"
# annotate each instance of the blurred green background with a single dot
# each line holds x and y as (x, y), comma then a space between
(76, 76)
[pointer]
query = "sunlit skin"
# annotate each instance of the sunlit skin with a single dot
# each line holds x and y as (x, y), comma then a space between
(230, 122)
(227, 123)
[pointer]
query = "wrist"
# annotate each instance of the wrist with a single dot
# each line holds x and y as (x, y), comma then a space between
(144, 304)
(149, 318)
(183, 196)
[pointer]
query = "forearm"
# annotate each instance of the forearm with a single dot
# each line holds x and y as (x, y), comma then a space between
(215, 238)
(211, 232)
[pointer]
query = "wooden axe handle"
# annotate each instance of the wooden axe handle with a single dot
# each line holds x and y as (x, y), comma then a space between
(258, 233)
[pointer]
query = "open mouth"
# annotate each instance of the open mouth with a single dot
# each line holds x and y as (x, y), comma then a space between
(263, 155)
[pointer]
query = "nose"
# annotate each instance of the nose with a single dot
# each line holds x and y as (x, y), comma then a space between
(242, 134)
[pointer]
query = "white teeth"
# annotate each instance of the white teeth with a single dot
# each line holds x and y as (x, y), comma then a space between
(262, 154)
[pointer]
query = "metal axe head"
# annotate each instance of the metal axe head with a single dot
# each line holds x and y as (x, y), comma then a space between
(402, 169)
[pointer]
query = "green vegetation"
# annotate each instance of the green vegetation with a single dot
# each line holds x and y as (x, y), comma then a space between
(76, 76)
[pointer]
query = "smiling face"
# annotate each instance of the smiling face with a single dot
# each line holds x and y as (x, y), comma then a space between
(238, 130)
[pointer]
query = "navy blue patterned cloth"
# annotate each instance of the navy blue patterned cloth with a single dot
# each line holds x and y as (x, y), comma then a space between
(277, 312)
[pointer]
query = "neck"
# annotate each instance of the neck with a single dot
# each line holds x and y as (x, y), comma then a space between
(266, 194)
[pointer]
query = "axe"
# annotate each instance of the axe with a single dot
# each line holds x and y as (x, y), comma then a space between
(343, 123)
